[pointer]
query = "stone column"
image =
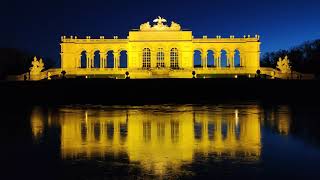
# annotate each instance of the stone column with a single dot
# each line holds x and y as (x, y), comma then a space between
(118, 60)
(167, 59)
(127, 54)
(217, 60)
(228, 59)
(92, 60)
(242, 59)
(105, 62)
(116, 57)
(78, 61)
(102, 59)
(204, 60)
(88, 64)
(153, 59)
(231, 59)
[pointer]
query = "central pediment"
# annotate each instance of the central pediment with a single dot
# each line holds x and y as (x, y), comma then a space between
(160, 25)
(160, 31)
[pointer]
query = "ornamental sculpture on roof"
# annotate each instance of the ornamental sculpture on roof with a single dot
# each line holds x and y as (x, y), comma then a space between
(37, 66)
(284, 65)
(160, 26)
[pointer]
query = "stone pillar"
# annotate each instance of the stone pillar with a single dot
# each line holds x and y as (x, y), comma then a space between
(231, 59)
(167, 59)
(204, 60)
(116, 58)
(217, 60)
(127, 54)
(92, 60)
(102, 59)
(105, 62)
(228, 59)
(242, 59)
(153, 59)
(78, 61)
(201, 60)
(88, 64)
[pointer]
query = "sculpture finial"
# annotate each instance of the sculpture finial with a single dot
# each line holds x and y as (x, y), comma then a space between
(37, 65)
(284, 65)
(160, 20)
(160, 26)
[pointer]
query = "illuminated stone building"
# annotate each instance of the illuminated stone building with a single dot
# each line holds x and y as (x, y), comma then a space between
(159, 51)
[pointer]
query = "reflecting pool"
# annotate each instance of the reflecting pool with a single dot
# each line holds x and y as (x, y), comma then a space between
(162, 141)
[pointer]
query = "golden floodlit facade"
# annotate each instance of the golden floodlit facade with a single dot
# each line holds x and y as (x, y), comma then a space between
(160, 51)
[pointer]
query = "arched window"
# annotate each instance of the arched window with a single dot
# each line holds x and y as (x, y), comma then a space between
(146, 58)
(224, 58)
(96, 59)
(160, 58)
(83, 59)
(210, 60)
(197, 59)
(237, 58)
(123, 59)
(174, 58)
(110, 59)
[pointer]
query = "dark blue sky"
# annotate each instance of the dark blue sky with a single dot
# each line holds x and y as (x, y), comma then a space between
(36, 25)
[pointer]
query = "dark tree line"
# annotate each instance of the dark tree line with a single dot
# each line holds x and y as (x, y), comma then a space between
(14, 62)
(304, 58)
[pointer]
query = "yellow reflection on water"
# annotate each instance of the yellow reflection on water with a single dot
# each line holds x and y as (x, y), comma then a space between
(284, 120)
(37, 123)
(158, 137)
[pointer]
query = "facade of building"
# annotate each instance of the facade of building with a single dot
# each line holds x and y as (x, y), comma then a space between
(160, 51)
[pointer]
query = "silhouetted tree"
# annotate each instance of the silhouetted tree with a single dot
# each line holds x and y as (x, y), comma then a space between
(304, 58)
(14, 62)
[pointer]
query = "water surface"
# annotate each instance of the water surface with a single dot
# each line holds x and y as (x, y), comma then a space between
(162, 141)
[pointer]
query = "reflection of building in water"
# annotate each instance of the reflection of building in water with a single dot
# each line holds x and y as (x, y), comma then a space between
(229, 133)
(37, 123)
(85, 133)
(160, 140)
(284, 120)
(279, 118)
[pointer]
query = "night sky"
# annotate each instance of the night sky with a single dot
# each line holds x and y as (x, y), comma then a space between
(37, 25)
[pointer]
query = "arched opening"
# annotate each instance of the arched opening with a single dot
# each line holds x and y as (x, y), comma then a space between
(210, 58)
(83, 59)
(174, 58)
(123, 59)
(84, 130)
(96, 59)
(224, 58)
(146, 58)
(97, 131)
(237, 58)
(110, 59)
(160, 58)
(197, 59)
